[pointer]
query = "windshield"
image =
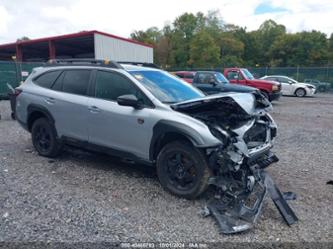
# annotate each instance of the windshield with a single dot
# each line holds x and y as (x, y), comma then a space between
(166, 87)
(247, 74)
(220, 77)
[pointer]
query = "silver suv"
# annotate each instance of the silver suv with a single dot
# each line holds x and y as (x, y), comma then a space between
(148, 115)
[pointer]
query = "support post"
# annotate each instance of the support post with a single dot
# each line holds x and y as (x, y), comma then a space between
(19, 55)
(52, 50)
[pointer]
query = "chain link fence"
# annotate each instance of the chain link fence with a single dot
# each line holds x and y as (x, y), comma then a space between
(324, 74)
(14, 73)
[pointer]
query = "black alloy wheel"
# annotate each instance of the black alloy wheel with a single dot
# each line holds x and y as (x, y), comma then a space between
(183, 169)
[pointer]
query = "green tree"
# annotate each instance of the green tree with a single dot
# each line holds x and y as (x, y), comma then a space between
(268, 32)
(232, 50)
(300, 49)
(183, 44)
(23, 38)
(330, 49)
(150, 36)
(203, 51)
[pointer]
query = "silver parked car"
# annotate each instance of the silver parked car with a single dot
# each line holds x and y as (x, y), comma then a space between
(148, 115)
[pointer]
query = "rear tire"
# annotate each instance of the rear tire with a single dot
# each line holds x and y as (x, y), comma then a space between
(182, 170)
(44, 138)
(300, 92)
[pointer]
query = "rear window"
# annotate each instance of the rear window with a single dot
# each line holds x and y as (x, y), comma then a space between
(47, 79)
(76, 81)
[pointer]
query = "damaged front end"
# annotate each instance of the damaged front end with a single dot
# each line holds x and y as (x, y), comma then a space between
(246, 131)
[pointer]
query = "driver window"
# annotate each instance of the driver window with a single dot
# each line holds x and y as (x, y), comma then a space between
(205, 78)
(233, 75)
(209, 79)
(110, 86)
(284, 80)
(201, 78)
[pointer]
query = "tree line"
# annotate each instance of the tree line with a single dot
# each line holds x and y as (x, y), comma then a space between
(206, 41)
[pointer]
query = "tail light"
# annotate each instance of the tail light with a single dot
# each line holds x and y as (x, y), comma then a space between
(17, 92)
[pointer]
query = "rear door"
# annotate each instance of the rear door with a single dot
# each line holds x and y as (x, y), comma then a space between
(69, 103)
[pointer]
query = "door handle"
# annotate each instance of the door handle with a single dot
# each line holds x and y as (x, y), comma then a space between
(94, 109)
(50, 101)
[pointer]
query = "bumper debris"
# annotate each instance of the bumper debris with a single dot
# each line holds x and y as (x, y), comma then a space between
(238, 211)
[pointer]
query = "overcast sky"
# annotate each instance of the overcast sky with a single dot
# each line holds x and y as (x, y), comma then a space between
(40, 18)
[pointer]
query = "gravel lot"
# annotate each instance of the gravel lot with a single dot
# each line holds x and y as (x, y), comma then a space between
(82, 196)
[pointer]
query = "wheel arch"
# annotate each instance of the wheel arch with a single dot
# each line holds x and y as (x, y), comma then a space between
(298, 88)
(35, 112)
(165, 132)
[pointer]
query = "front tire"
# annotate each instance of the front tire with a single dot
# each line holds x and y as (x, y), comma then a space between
(300, 92)
(44, 138)
(183, 170)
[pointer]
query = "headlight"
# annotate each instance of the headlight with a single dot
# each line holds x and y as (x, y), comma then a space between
(275, 88)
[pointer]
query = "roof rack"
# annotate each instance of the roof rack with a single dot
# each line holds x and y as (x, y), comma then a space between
(85, 62)
(141, 64)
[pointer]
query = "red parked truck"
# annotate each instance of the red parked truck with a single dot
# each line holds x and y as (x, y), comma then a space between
(242, 76)
(185, 75)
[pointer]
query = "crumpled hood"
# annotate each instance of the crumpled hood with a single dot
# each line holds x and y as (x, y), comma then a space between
(238, 103)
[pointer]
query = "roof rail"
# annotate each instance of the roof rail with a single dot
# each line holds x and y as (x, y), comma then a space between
(141, 64)
(85, 62)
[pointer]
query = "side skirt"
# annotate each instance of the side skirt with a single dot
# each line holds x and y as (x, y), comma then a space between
(105, 150)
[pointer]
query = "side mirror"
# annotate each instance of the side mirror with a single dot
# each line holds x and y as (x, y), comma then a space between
(129, 100)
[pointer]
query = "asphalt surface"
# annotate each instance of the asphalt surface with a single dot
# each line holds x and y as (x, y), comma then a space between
(82, 196)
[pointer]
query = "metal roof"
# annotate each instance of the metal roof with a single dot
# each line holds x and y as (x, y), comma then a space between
(73, 35)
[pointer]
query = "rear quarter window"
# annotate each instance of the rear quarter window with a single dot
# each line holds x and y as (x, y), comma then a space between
(47, 79)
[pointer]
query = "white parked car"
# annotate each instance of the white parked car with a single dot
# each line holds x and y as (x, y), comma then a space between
(292, 87)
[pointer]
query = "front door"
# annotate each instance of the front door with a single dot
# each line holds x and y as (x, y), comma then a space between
(121, 128)
(287, 87)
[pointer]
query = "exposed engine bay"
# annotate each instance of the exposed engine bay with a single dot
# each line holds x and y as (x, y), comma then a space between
(246, 132)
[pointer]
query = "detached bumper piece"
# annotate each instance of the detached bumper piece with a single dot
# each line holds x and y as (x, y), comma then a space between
(280, 200)
(233, 214)
(237, 213)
